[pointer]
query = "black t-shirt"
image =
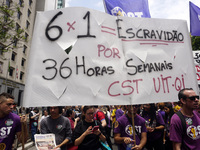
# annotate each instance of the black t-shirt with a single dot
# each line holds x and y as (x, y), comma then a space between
(91, 141)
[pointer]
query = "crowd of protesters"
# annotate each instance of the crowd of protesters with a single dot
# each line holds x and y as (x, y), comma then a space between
(154, 127)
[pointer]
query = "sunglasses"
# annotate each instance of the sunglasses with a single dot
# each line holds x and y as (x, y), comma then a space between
(193, 98)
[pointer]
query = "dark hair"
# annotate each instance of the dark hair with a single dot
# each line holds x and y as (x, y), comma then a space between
(171, 112)
(36, 109)
(59, 107)
(151, 113)
(86, 108)
(69, 112)
(4, 96)
(181, 93)
(44, 111)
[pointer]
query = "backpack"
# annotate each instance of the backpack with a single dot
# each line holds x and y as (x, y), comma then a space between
(108, 121)
(183, 122)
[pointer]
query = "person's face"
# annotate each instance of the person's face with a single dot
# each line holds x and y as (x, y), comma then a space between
(45, 113)
(192, 99)
(7, 106)
(54, 111)
(89, 115)
(135, 108)
(166, 109)
(73, 114)
(147, 107)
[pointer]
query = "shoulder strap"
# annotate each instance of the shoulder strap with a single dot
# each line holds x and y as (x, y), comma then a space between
(97, 117)
(182, 120)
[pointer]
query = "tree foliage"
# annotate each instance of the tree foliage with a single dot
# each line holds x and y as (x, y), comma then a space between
(9, 33)
(195, 42)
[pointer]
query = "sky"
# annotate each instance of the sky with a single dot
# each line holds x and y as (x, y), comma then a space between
(166, 9)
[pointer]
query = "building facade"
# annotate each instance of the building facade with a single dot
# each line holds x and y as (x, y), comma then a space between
(13, 63)
(46, 5)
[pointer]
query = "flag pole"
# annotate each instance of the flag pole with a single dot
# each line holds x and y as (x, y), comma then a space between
(133, 124)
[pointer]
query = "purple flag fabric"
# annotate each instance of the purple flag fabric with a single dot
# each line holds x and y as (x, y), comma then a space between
(130, 8)
(194, 20)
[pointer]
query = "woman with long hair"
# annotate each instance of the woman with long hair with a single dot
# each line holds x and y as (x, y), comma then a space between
(155, 126)
(88, 132)
(169, 111)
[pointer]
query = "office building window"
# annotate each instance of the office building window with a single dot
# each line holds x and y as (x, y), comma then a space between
(10, 90)
(24, 49)
(21, 3)
(13, 56)
(26, 36)
(17, 26)
(21, 76)
(23, 62)
(8, 3)
(15, 42)
(1, 48)
(19, 14)
(60, 4)
(29, 13)
(1, 67)
(30, 2)
(11, 71)
(27, 24)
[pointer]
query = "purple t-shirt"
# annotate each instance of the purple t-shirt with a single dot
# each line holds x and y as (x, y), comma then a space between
(192, 138)
(152, 136)
(9, 126)
(123, 126)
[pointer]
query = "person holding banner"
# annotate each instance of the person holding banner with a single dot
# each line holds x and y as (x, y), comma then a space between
(58, 125)
(185, 124)
(123, 131)
(10, 123)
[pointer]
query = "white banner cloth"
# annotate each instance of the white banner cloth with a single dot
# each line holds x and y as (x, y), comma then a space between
(81, 56)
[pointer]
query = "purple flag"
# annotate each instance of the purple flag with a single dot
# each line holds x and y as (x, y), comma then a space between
(194, 20)
(130, 8)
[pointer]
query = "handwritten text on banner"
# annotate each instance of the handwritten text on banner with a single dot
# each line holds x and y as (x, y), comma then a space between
(81, 56)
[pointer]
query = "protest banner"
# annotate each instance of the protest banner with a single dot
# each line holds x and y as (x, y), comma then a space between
(81, 56)
(196, 55)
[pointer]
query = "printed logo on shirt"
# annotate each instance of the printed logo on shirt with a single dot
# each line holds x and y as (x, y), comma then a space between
(2, 146)
(116, 124)
(4, 132)
(59, 126)
(9, 122)
(129, 129)
(193, 132)
(188, 121)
